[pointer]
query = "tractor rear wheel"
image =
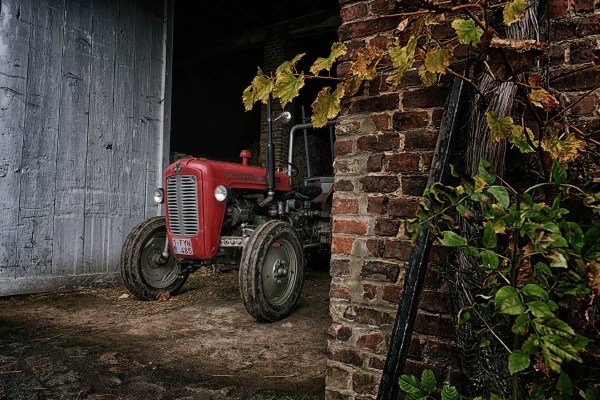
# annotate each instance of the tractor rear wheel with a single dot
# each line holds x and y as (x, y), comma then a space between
(272, 271)
(144, 271)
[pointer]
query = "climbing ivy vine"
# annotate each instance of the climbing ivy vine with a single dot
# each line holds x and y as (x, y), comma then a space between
(539, 246)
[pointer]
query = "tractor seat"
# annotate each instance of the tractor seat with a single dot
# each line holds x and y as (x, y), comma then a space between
(305, 193)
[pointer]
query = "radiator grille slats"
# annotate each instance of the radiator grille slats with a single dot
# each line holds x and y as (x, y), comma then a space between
(182, 204)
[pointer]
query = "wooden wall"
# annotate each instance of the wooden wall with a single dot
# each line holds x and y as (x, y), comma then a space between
(82, 87)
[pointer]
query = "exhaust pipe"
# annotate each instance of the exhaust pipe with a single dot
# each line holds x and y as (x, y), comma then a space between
(270, 152)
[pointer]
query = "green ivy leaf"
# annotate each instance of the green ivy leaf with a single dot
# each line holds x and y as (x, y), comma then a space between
(468, 31)
(500, 128)
(564, 386)
(521, 324)
(437, 60)
(449, 393)
(402, 60)
(514, 11)
(471, 251)
(591, 243)
(463, 317)
(451, 239)
(489, 237)
(428, 381)
(552, 360)
(561, 347)
(574, 235)
(540, 309)
(553, 327)
(531, 289)
(531, 345)
(326, 106)
(557, 259)
(543, 269)
(501, 195)
(517, 137)
(507, 301)
(559, 174)
(494, 397)
(489, 259)
(410, 384)
(517, 361)
(486, 171)
(337, 50)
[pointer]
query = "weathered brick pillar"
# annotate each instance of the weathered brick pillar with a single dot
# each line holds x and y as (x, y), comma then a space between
(385, 141)
(276, 51)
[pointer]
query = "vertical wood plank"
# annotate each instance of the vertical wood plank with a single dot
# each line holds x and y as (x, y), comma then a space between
(100, 142)
(69, 225)
(36, 218)
(142, 145)
(155, 100)
(15, 31)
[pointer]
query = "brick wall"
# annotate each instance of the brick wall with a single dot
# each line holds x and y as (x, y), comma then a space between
(385, 141)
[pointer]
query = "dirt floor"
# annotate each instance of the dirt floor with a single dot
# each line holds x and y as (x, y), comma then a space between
(102, 344)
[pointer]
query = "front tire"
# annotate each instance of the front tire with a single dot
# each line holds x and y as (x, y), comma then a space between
(272, 271)
(144, 272)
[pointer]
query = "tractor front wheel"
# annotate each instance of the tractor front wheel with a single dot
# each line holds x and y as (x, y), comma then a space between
(145, 272)
(272, 271)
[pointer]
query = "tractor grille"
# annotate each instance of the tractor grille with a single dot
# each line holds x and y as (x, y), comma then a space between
(182, 204)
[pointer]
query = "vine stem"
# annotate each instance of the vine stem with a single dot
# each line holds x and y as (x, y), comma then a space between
(513, 276)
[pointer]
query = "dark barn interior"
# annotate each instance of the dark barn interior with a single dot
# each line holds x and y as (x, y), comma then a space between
(215, 57)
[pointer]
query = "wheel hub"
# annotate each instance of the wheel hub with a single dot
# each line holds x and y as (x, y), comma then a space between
(280, 270)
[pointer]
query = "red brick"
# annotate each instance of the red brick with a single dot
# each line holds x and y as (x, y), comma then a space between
(392, 293)
(339, 332)
(369, 292)
(333, 395)
(343, 147)
(376, 104)
(439, 254)
(386, 227)
(410, 120)
(380, 42)
(344, 185)
(413, 185)
(414, 367)
(339, 267)
(582, 6)
(582, 51)
(345, 206)
(353, 12)
(350, 227)
(404, 207)
(590, 25)
(377, 205)
(377, 363)
(435, 325)
(342, 245)
(337, 291)
(403, 162)
(360, 29)
(337, 377)
(558, 8)
(380, 271)
(435, 301)
(374, 163)
(346, 356)
(379, 184)
(434, 96)
(420, 140)
(439, 349)
(365, 383)
(382, 121)
(434, 278)
(375, 247)
(383, 142)
(370, 340)
(369, 316)
(399, 249)
(436, 117)
(587, 106)
(381, 6)
(575, 80)
(563, 29)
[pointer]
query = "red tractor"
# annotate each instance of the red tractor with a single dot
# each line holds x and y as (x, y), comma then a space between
(219, 212)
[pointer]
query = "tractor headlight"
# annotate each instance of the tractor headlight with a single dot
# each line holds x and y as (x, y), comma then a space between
(221, 193)
(159, 196)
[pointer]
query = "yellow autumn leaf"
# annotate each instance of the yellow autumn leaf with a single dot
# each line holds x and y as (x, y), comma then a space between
(337, 50)
(327, 105)
(428, 78)
(365, 64)
(287, 84)
(500, 128)
(563, 148)
(513, 11)
(259, 90)
(437, 60)
(402, 59)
